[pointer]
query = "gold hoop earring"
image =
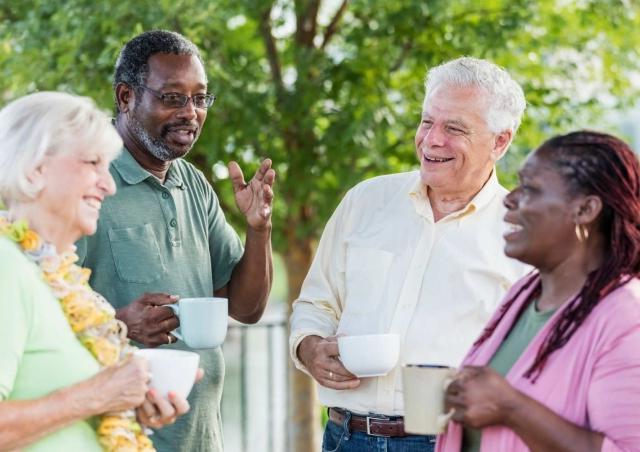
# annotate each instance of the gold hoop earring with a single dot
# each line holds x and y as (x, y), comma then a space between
(582, 233)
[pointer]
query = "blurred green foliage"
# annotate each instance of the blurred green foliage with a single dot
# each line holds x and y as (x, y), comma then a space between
(332, 91)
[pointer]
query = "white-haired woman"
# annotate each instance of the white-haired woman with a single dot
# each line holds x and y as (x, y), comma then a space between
(68, 380)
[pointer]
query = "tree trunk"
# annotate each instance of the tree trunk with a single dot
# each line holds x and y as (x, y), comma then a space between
(304, 412)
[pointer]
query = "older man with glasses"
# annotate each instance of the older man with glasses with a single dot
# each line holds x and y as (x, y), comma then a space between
(164, 235)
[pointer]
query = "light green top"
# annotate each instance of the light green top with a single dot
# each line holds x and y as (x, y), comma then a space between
(169, 238)
(522, 333)
(39, 353)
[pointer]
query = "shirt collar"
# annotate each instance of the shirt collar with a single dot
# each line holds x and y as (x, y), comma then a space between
(418, 194)
(133, 173)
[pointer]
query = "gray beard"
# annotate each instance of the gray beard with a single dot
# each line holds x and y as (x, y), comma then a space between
(155, 146)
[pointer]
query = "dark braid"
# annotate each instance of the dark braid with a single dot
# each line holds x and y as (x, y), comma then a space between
(593, 164)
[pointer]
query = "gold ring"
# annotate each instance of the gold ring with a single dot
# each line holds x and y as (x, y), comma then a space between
(169, 338)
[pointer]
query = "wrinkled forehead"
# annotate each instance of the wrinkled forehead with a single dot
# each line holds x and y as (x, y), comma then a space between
(472, 96)
(175, 70)
(467, 105)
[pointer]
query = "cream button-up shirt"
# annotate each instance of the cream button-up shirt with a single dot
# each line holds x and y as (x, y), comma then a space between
(383, 265)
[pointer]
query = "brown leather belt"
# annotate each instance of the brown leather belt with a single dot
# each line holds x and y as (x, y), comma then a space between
(371, 425)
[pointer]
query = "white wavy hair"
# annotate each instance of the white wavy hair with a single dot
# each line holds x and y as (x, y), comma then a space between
(48, 123)
(505, 98)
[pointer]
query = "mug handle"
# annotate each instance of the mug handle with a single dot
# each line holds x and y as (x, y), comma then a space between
(176, 311)
(443, 419)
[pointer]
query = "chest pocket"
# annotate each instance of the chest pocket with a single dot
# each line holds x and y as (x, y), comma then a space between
(367, 270)
(136, 254)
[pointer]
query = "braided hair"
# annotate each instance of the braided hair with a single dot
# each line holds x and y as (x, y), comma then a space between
(597, 164)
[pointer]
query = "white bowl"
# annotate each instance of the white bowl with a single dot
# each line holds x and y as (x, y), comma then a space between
(370, 355)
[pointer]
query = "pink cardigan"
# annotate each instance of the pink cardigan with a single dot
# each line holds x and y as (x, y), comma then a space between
(593, 381)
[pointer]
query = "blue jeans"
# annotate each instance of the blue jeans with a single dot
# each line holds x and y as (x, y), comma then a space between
(338, 438)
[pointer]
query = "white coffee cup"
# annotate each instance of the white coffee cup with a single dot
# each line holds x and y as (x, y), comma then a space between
(171, 370)
(203, 321)
(423, 388)
(370, 355)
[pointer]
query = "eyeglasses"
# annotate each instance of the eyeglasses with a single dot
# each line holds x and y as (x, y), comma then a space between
(177, 100)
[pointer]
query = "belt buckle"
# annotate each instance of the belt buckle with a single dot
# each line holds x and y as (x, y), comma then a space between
(369, 418)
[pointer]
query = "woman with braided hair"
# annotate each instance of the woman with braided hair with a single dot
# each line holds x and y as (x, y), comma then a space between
(558, 366)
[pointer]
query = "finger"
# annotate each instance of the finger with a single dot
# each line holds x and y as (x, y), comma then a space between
(267, 194)
(157, 298)
(180, 405)
(147, 407)
(236, 176)
(458, 415)
(157, 314)
(165, 409)
(199, 374)
(161, 299)
(340, 385)
(453, 401)
(165, 326)
(262, 170)
(269, 177)
(341, 373)
(158, 339)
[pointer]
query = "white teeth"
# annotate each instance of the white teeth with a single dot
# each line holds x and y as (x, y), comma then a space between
(514, 227)
(93, 203)
(436, 159)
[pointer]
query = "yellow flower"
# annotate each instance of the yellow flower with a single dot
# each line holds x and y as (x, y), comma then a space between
(30, 241)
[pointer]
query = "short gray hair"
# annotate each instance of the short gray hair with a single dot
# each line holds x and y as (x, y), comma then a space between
(132, 65)
(506, 102)
(48, 123)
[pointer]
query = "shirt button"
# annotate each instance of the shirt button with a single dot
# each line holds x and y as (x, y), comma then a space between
(173, 223)
(165, 195)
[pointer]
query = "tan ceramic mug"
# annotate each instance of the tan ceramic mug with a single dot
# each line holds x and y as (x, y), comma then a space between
(424, 386)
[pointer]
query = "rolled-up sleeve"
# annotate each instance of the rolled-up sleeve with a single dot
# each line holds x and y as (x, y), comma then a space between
(318, 309)
(614, 393)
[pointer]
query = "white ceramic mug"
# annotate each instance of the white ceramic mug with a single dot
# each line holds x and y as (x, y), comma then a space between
(369, 355)
(423, 389)
(171, 370)
(203, 321)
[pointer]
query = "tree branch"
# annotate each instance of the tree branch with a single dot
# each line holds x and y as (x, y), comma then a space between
(306, 23)
(333, 25)
(408, 45)
(270, 46)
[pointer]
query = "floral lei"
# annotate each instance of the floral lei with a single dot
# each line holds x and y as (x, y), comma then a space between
(91, 318)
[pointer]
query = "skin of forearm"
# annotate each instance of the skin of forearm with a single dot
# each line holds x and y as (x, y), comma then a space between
(252, 277)
(23, 422)
(542, 430)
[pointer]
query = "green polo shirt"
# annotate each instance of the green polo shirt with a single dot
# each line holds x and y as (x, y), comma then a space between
(172, 238)
(518, 339)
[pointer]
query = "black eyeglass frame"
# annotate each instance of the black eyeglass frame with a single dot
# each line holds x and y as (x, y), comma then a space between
(180, 100)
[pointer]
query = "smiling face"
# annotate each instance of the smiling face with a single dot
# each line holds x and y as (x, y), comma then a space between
(454, 145)
(541, 213)
(169, 133)
(74, 186)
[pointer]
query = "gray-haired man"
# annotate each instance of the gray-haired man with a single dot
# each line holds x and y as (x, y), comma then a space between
(418, 254)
